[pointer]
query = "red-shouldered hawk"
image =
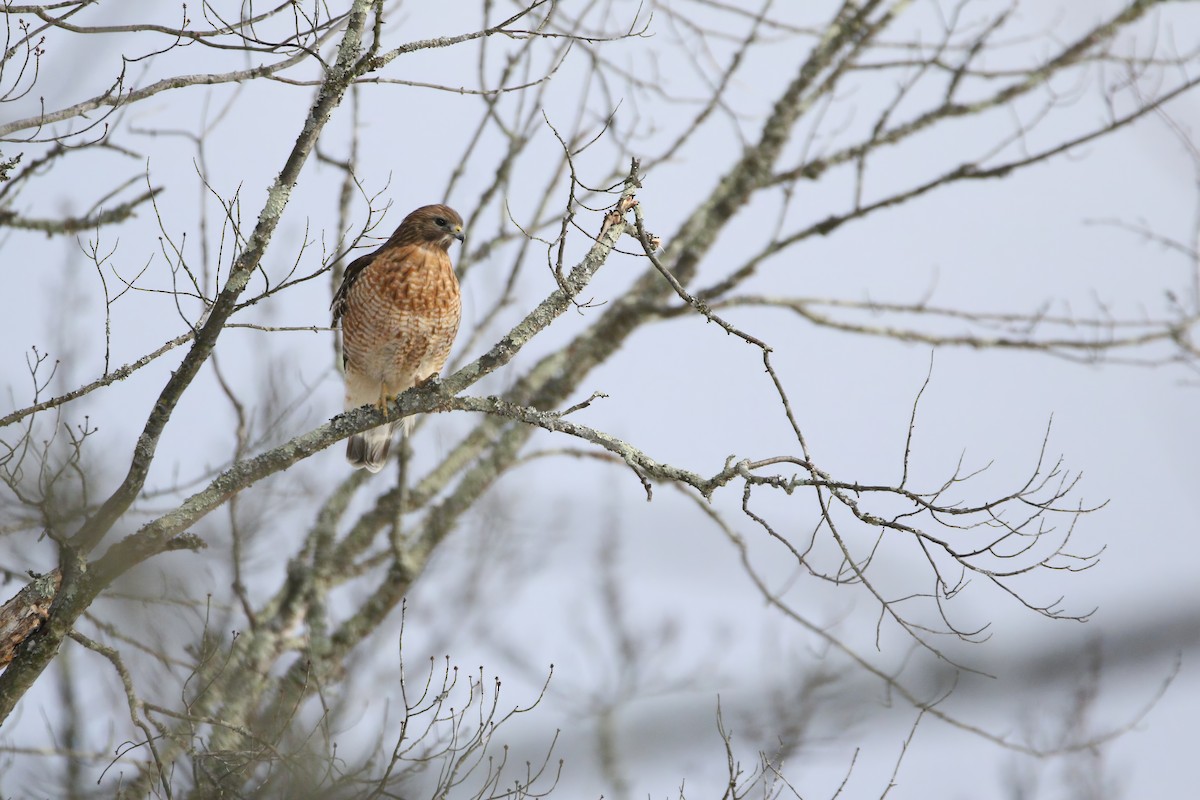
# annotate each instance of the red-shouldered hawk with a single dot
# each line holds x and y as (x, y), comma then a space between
(399, 308)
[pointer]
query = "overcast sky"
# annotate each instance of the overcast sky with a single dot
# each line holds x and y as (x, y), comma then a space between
(689, 395)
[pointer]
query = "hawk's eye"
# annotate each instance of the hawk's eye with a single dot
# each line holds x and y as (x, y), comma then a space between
(441, 222)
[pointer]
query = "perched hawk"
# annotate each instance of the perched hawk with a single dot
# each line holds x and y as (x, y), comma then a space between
(399, 308)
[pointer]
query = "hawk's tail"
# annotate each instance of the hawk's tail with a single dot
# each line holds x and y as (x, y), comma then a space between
(370, 448)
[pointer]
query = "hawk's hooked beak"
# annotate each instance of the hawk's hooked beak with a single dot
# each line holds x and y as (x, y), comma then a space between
(458, 233)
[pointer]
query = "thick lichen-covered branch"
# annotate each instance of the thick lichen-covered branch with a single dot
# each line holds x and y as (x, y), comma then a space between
(32, 660)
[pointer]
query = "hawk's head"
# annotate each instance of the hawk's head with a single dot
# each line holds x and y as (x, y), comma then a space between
(436, 225)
